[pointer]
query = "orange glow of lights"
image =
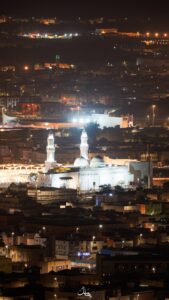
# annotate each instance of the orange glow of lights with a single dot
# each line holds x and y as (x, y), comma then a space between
(26, 68)
(156, 34)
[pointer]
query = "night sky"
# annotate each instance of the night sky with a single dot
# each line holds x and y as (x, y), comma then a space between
(85, 8)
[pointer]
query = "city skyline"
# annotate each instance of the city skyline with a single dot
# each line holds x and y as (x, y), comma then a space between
(84, 150)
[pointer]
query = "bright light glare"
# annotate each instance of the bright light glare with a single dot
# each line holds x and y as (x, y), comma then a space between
(26, 68)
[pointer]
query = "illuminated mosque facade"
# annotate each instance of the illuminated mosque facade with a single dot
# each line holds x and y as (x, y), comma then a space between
(86, 175)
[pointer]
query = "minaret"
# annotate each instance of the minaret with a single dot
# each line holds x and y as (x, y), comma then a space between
(50, 149)
(84, 147)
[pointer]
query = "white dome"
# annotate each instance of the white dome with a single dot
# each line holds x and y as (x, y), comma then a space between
(97, 162)
(81, 162)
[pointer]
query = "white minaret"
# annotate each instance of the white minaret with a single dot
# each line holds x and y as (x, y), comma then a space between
(50, 149)
(84, 147)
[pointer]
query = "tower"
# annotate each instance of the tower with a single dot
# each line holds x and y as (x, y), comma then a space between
(84, 147)
(50, 149)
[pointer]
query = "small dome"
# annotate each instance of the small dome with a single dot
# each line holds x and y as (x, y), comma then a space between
(97, 162)
(81, 162)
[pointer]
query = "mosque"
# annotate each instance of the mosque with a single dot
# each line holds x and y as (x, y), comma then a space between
(86, 175)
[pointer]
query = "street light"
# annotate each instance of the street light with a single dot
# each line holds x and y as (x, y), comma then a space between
(26, 68)
(148, 120)
(153, 114)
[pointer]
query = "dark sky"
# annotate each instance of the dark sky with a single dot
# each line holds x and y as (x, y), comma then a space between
(73, 8)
